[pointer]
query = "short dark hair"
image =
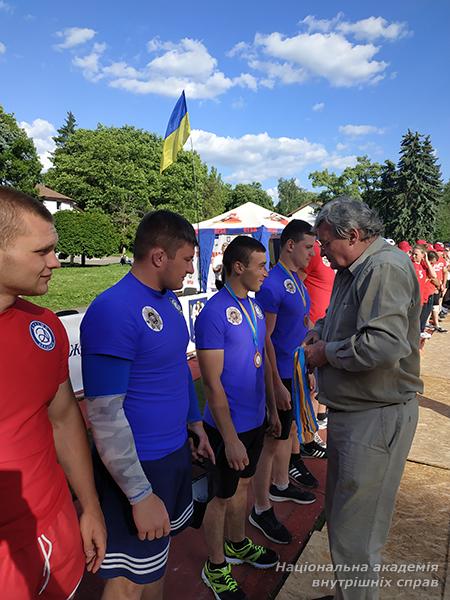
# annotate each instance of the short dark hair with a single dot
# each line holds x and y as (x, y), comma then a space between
(164, 229)
(295, 230)
(13, 204)
(239, 250)
(432, 255)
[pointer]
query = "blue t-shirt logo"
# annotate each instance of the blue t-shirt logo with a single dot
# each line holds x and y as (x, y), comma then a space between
(152, 317)
(234, 315)
(42, 335)
(258, 311)
(289, 286)
(176, 304)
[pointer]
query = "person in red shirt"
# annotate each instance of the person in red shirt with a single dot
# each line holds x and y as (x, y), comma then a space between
(405, 246)
(43, 548)
(319, 279)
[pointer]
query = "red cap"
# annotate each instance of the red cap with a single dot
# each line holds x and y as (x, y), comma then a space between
(405, 246)
(422, 242)
(439, 247)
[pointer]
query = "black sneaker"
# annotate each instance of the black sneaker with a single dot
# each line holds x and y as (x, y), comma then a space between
(222, 583)
(299, 473)
(270, 526)
(292, 494)
(315, 449)
(252, 554)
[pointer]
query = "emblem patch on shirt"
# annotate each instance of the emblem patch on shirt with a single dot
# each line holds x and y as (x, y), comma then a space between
(152, 318)
(325, 261)
(42, 335)
(176, 305)
(289, 286)
(258, 311)
(234, 315)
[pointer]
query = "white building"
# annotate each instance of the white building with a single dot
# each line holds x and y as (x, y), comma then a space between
(54, 201)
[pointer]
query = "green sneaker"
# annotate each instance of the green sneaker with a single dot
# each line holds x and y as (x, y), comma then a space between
(257, 556)
(221, 582)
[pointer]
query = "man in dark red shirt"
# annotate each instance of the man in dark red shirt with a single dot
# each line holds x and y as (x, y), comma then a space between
(43, 548)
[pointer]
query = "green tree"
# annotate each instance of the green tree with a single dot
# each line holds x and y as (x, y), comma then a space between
(292, 197)
(385, 201)
(249, 192)
(86, 234)
(65, 131)
(361, 181)
(216, 195)
(418, 190)
(443, 216)
(19, 163)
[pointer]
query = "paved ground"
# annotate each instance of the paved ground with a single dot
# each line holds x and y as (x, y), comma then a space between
(420, 529)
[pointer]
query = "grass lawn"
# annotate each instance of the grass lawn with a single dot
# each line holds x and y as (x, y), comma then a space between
(76, 287)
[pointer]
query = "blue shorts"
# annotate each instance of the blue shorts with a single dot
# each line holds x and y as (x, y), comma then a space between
(126, 555)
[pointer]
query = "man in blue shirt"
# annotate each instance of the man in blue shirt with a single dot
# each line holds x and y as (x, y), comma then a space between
(230, 335)
(285, 301)
(140, 399)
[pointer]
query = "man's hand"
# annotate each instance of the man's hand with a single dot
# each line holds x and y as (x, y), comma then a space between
(315, 355)
(236, 454)
(274, 424)
(282, 396)
(93, 535)
(203, 450)
(311, 382)
(151, 518)
(311, 337)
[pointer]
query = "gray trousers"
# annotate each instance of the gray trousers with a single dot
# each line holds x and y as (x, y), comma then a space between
(367, 451)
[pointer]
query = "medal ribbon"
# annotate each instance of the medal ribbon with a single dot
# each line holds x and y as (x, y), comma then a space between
(251, 320)
(292, 278)
(303, 408)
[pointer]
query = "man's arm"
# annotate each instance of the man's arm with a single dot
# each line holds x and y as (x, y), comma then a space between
(74, 456)
(211, 367)
(380, 340)
(115, 442)
(195, 424)
(281, 393)
(272, 412)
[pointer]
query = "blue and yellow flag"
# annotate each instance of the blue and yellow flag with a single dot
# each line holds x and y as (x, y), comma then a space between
(177, 133)
(303, 408)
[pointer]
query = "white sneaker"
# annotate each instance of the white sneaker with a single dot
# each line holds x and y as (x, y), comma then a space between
(323, 423)
(319, 440)
(425, 336)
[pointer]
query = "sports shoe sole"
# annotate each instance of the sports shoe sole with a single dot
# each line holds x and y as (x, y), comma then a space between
(208, 583)
(239, 561)
(296, 500)
(258, 526)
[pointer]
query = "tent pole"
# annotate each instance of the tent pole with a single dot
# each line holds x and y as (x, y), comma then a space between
(196, 215)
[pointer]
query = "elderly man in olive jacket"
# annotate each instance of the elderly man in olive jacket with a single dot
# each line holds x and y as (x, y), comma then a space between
(367, 352)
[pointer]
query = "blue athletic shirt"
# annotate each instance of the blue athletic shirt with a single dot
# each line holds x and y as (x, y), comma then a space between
(280, 296)
(131, 321)
(222, 326)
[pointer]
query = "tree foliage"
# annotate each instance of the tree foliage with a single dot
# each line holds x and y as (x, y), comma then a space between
(249, 192)
(361, 181)
(19, 163)
(65, 131)
(86, 234)
(292, 197)
(443, 217)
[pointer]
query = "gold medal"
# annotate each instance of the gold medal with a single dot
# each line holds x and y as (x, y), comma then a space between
(257, 359)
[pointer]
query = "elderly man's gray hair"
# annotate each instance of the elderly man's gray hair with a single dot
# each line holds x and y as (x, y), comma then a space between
(345, 213)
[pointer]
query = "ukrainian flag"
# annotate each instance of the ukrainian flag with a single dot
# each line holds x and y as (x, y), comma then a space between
(177, 133)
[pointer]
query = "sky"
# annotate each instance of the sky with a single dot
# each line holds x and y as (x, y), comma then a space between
(273, 88)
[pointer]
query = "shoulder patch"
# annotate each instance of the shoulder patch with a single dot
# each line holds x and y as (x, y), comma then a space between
(258, 311)
(153, 319)
(176, 304)
(42, 335)
(234, 315)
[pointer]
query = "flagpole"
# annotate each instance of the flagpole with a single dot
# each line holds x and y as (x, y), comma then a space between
(196, 215)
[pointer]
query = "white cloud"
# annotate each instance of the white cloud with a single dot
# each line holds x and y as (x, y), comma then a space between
(238, 104)
(186, 65)
(90, 64)
(273, 193)
(41, 132)
(340, 147)
(2, 48)
(258, 157)
(330, 56)
(357, 130)
(74, 36)
(318, 107)
(369, 29)
(6, 7)
(374, 28)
